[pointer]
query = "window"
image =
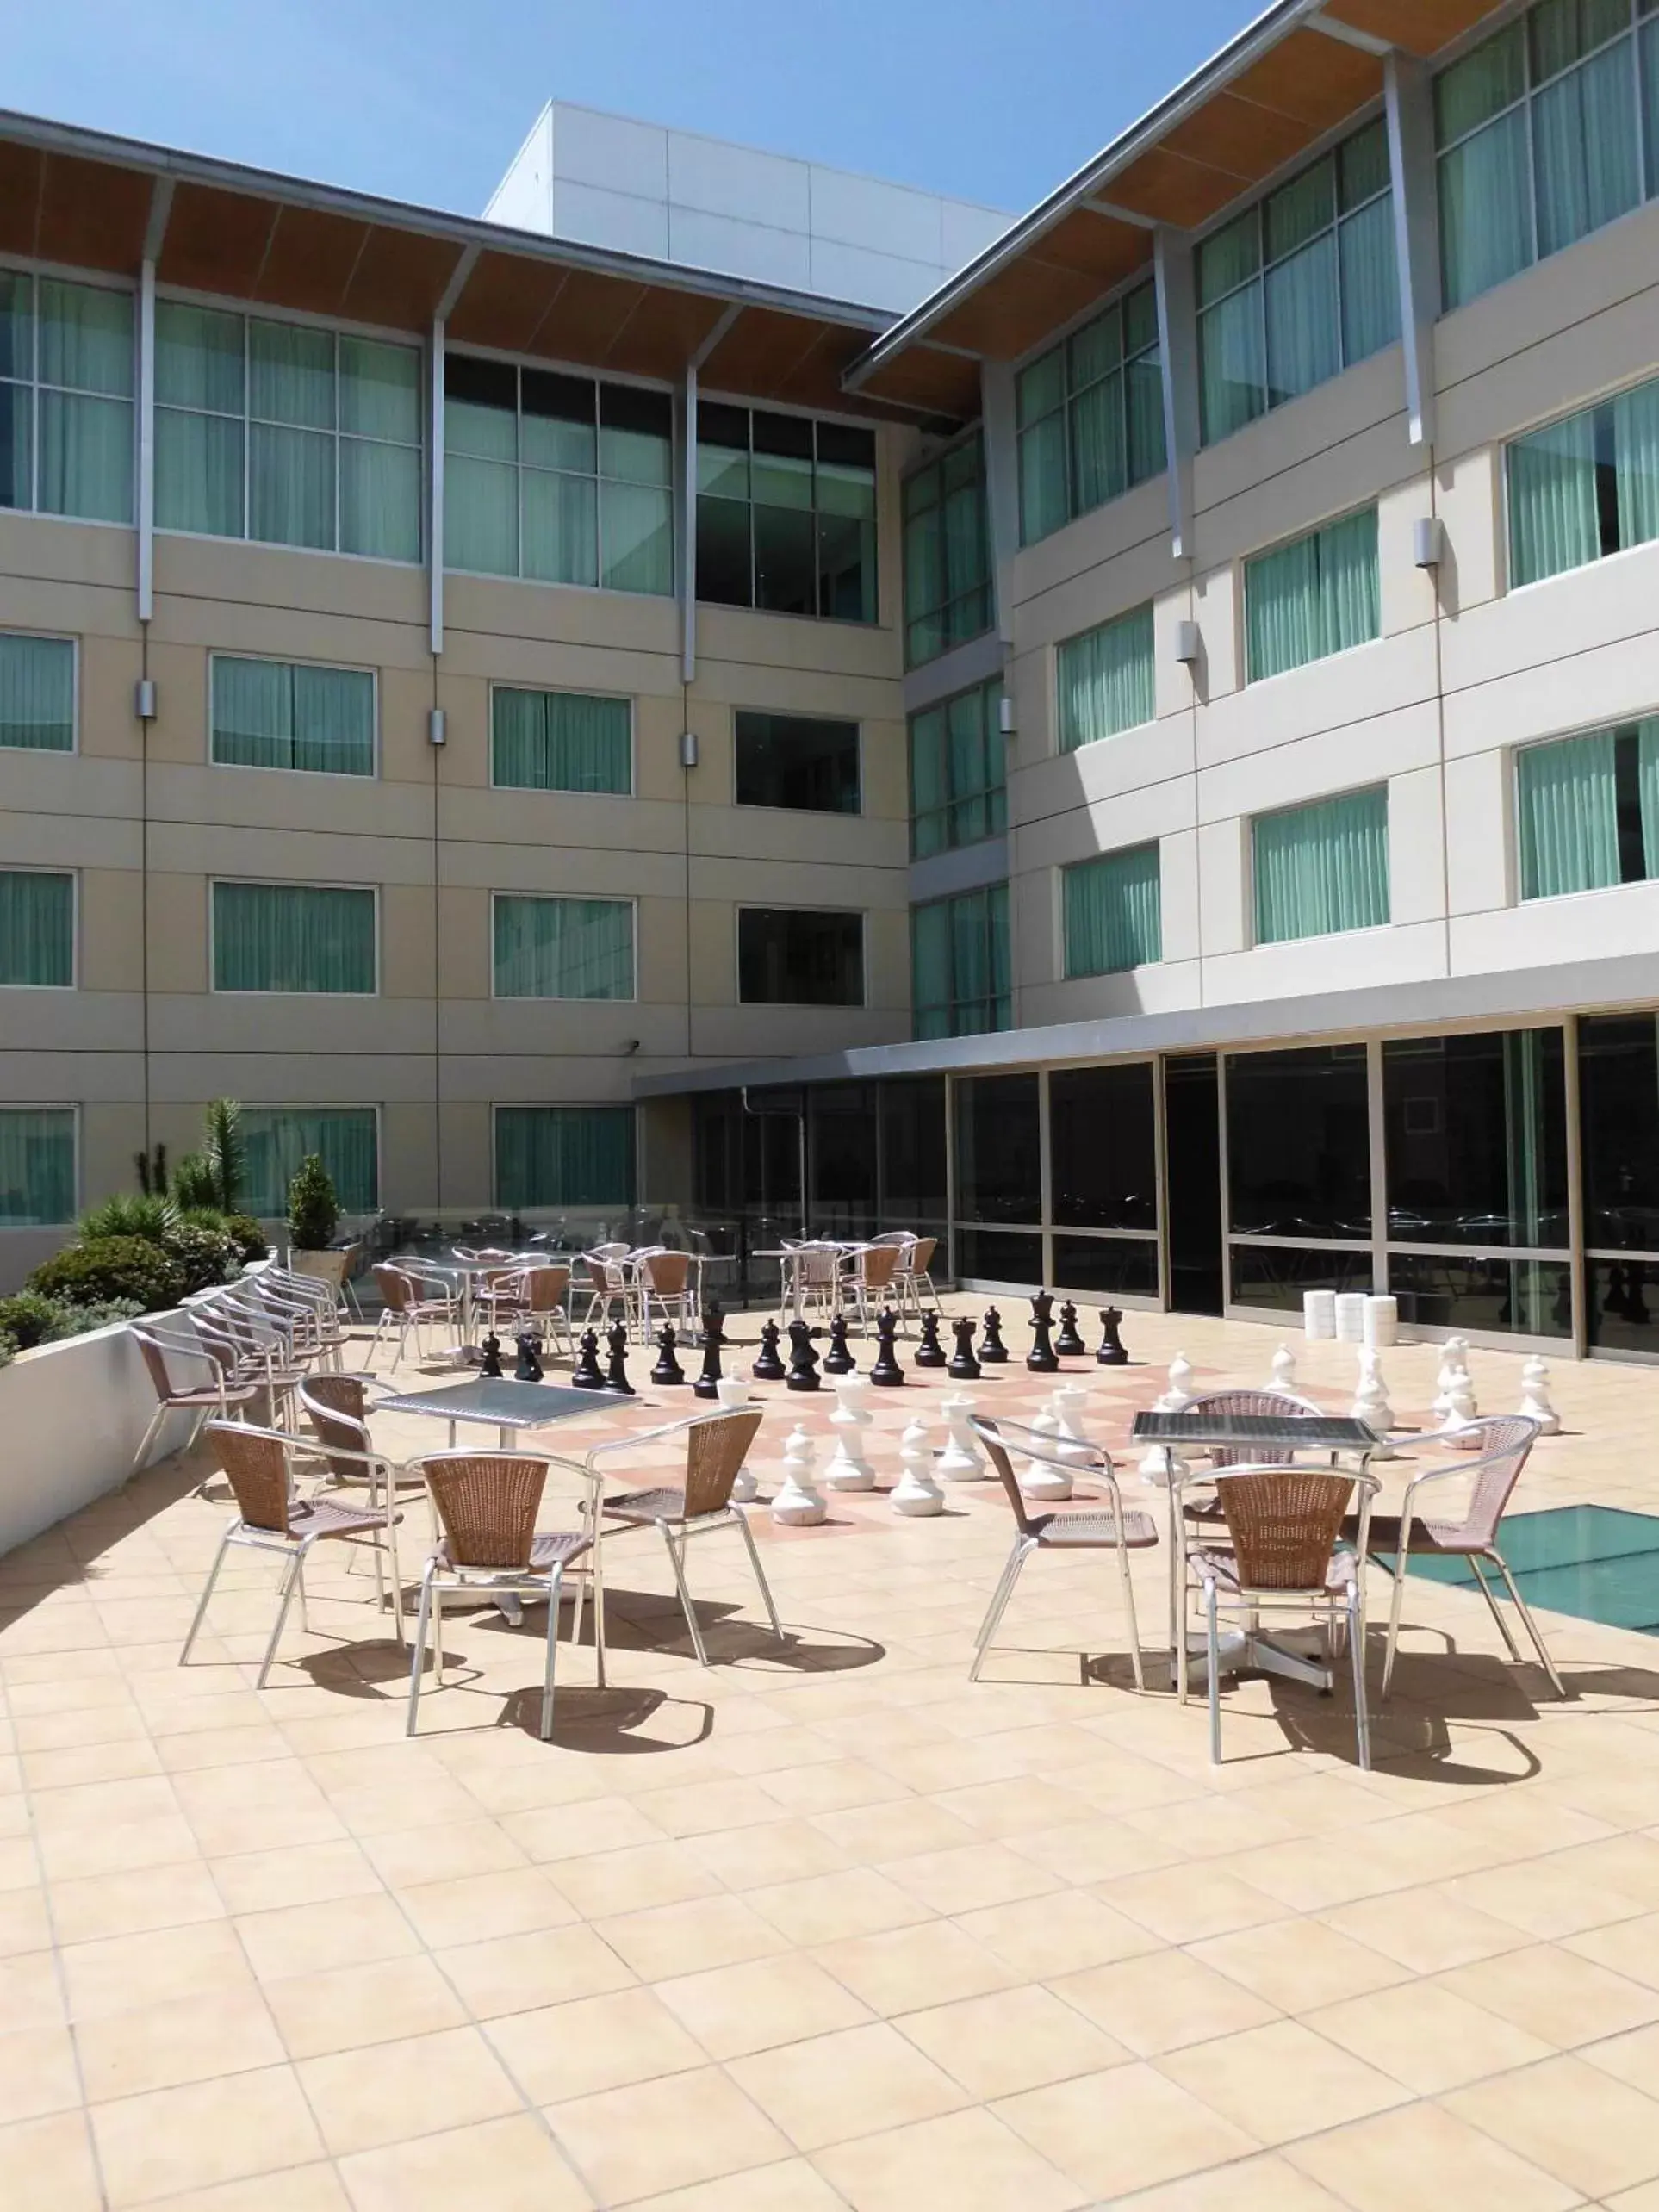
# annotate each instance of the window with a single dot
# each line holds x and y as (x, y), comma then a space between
(37, 1166)
(37, 928)
(791, 956)
(1477, 1133)
(66, 384)
(292, 937)
(948, 594)
(286, 433)
(278, 714)
(998, 1149)
(558, 479)
(560, 741)
(1298, 1133)
(1540, 133)
(1584, 487)
(1299, 287)
(557, 1156)
(1105, 679)
(796, 760)
(959, 964)
(1105, 1147)
(1318, 595)
(1111, 912)
(1090, 416)
(786, 513)
(37, 693)
(958, 772)
(1321, 868)
(346, 1138)
(563, 948)
(1588, 811)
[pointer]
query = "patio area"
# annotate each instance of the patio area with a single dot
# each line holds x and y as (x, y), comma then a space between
(824, 1926)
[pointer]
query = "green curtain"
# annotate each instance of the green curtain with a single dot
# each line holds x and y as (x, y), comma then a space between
(560, 741)
(930, 968)
(1585, 157)
(1567, 799)
(1553, 524)
(636, 535)
(925, 567)
(380, 486)
(1486, 209)
(968, 767)
(280, 936)
(558, 524)
(1099, 459)
(87, 431)
(37, 928)
(344, 1138)
(37, 1166)
(481, 514)
(1319, 594)
(1299, 305)
(1321, 868)
(1040, 411)
(1232, 363)
(1636, 463)
(930, 784)
(1112, 912)
(959, 964)
(1105, 679)
(1647, 776)
(563, 948)
(1370, 283)
(272, 714)
(200, 454)
(1522, 1095)
(1143, 384)
(16, 414)
(549, 1156)
(37, 693)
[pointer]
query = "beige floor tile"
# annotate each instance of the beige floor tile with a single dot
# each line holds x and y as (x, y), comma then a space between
(692, 1938)
(1645, 2199)
(25, 1924)
(1280, 2081)
(184, 2039)
(737, 2010)
(829, 1786)
(1099, 1850)
(129, 1904)
(1555, 1995)
(1015, 1807)
(1633, 2058)
(407, 1857)
(1184, 1904)
(855, 2082)
(518, 1973)
(163, 1839)
(708, 1808)
(794, 2186)
(1427, 1929)
(1427, 2037)
(350, 2006)
(173, 2140)
(299, 2189)
(298, 1873)
(508, 2164)
(37, 2073)
(1545, 1899)
(781, 1851)
(1258, 2185)
(412, 2087)
(665, 2134)
(969, 2160)
(1011, 2041)
(903, 1828)
(592, 2044)
(1123, 2129)
(1162, 2001)
(132, 1970)
(1048, 1934)
(552, 1832)
(1423, 2155)
(622, 1881)
(1577, 2122)
(472, 1907)
(303, 1939)
(1297, 1964)
(31, 1993)
(47, 2165)
(910, 1967)
(825, 1908)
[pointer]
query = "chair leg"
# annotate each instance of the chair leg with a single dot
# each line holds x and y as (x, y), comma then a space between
(685, 1604)
(598, 1556)
(1492, 1606)
(419, 1659)
(1356, 1623)
(766, 1588)
(1396, 1604)
(150, 1436)
(998, 1605)
(292, 1579)
(1134, 1626)
(1529, 1624)
(202, 1607)
(555, 1587)
(1212, 1655)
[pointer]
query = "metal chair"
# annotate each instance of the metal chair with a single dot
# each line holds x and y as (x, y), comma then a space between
(1115, 1529)
(534, 1299)
(216, 1394)
(412, 1302)
(663, 1281)
(612, 1286)
(866, 1282)
(914, 1278)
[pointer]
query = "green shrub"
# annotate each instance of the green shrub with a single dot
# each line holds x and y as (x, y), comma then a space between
(313, 1211)
(8, 1351)
(28, 1319)
(129, 1216)
(248, 1236)
(102, 1268)
(80, 1321)
(194, 1185)
(206, 1256)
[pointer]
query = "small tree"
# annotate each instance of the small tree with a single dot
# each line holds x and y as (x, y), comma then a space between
(314, 1209)
(225, 1151)
(152, 1167)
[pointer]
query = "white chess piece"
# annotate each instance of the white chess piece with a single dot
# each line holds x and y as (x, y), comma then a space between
(1178, 1396)
(798, 1504)
(961, 1460)
(849, 1469)
(732, 1391)
(1066, 1405)
(1371, 1403)
(1284, 1370)
(1038, 1479)
(1446, 1381)
(1460, 1409)
(1535, 1397)
(915, 1493)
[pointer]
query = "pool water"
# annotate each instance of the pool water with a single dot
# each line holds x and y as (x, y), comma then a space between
(1595, 1562)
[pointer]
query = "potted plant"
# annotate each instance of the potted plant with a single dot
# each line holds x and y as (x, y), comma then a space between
(313, 1213)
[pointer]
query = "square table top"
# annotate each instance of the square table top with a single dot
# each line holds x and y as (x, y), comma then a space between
(500, 1402)
(1322, 1432)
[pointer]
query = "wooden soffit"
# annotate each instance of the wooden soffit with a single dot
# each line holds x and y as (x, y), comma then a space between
(1421, 26)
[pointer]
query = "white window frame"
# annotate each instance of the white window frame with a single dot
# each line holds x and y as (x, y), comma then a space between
(497, 1106)
(55, 637)
(292, 883)
(73, 1107)
(40, 867)
(561, 691)
(320, 1106)
(272, 660)
(97, 280)
(1241, 601)
(566, 897)
(800, 906)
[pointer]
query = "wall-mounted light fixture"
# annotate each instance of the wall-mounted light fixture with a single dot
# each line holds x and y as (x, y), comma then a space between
(437, 727)
(1006, 721)
(688, 749)
(1188, 646)
(1428, 541)
(144, 699)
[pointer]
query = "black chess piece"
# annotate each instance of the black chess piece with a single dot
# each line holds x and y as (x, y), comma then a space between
(838, 1360)
(1068, 1343)
(713, 1342)
(668, 1370)
(802, 1360)
(492, 1366)
(1111, 1352)
(1042, 1359)
(886, 1373)
(529, 1369)
(615, 1373)
(993, 1352)
(930, 1353)
(964, 1367)
(586, 1376)
(769, 1368)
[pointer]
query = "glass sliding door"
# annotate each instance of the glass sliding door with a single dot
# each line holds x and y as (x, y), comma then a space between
(1618, 1120)
(1103, 1179)
(999, 1178)
(1299, 1177)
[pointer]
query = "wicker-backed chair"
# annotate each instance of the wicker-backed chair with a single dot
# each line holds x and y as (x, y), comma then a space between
(1117, 1528)
(189, 1378)
(536, 1300)
(1283, 1554)
(411, 1303)
(613, 1292)
(662, 1283)
(810, 1277)
(867, 1282)
(486, 1504)
(259, 1465)
(717, 1445)
(913, 1282)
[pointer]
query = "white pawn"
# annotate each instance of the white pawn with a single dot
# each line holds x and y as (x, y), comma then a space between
(1460, 1409)
(1446, 1381)
(961, 1460)
(916, 1491)
(849, 1469)
(1371, 1403)
(1066, 1405)
(1039, 1478)
(1178, 1397)
(1535, 1397)
(798, 1504)
(1284, 1370)
(732, 1391)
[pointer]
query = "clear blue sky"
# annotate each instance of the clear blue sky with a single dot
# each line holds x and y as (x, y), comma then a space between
(428, 100)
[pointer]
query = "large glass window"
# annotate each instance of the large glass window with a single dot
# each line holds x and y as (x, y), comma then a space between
(1298, 1143)
(959, 981)
(287, 433)
(1090, 416)
(1299, 287)
(558, 479)
(1584, 487)
(67, 378)
(1321, 868)
(1541, 131)
(786, 513)
(280, 714)
(293, 936)
(947, 589)
(998, 1150)
(560, 741)
(792, 956)
(1477, 1130)
(1106, 679)
(1112, 913)
(1103, 1148)
(958, 772)
(37, 693)
(913, 1152)
(555, 1156)
(37, 928)
(1588, 809)
(346, 1138)
(1318, 595)
(796, 760)
(1618, 1090)
(563, 948)
(842, 1141)
(37, 1166)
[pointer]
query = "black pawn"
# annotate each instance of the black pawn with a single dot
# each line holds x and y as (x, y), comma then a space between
(1043, 1358)
(838, 1360)
(964, 1367)
(492, 1366)
(1111, 1352)
(668, 1370)
(802, 1360)
(992, 1350)
(769, 1368)
(930, 1353)
(529, 1369)
(586, 1376)
(886, 1371)
(615, 1375)
(713, 1340)
(1068, 1343)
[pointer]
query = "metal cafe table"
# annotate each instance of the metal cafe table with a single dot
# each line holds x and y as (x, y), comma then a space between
(501, 1404)
(1266, 1437)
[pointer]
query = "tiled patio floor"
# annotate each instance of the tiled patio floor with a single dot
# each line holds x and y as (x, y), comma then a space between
(823, 1927)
